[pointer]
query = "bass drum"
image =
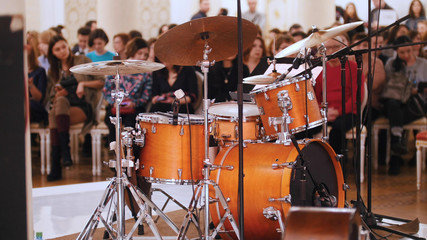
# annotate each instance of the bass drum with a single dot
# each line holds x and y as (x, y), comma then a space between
(268, 184)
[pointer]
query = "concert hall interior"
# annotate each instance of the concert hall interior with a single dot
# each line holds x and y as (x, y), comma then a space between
(214, 119)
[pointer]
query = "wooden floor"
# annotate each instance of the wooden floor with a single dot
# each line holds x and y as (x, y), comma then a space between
(394, 196)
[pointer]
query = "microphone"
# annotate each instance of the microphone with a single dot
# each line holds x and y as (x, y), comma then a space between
(298, 60)
(175, 105)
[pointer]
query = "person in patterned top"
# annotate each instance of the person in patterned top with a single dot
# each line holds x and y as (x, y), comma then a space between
(138, 86)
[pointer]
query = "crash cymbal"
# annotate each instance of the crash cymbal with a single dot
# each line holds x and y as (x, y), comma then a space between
(111, 67)
(259, 80)
(184, 44)
(317, 38)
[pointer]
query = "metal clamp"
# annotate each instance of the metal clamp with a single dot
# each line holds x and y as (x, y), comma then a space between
(226, 167)
(285, 199)
(283, 165)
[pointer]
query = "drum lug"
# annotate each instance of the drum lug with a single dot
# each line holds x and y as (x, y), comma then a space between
(297, 88)
(267, 98)
(142, 166)
(310, 96)
(285, 199)
(153, 128)
(283, 165)
(306, 117)
(345, 187)
(179, 174)
(236, 131)
(181, 132)
(339, 157)
(151, 172)
(261, 110)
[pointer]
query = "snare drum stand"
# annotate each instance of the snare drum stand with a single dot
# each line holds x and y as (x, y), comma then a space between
(203, 185)
(118, 184)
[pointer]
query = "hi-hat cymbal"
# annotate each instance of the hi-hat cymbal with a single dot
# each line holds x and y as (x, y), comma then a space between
(317, 38)
(259, 80)
(184, 44)
(111, 67)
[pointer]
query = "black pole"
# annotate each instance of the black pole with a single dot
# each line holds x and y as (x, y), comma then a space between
(369, 108)
(240, 115)
(343, 61)
(357, 156)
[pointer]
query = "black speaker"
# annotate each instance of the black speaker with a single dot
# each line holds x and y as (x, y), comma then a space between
(13, 102)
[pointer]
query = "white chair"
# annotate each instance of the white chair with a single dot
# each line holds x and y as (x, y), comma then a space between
(421, 145)
(96, 134)
(382, 123)
(44, 134)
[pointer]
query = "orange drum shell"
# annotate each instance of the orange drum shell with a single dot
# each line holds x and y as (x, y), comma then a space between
(298, 111)
(227, 131)
(167, 151)
(261, 182)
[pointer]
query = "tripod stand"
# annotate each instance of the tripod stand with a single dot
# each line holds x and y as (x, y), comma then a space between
(203, 185)
(113, 198)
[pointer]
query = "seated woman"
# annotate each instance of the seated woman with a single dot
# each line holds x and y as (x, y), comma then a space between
(98, 39)
(169, 79)
(37, 82)
(138, 86)
(74, 99)
(403, 74)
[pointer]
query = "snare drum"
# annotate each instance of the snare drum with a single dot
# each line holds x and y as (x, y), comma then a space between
(273, 181)
(267, 100)
(165, 157)
(225, 122)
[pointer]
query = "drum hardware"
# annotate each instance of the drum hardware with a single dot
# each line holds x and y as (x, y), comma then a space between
(114, 194)
(283, 165)
(284, 102)
(324, 110)
(285, 199)
(275, 215)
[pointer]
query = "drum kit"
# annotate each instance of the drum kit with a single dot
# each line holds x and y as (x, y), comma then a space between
(177, 152)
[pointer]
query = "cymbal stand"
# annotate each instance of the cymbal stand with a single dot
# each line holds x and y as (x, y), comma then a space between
(114, 194)
(324, 110)
(203, 185)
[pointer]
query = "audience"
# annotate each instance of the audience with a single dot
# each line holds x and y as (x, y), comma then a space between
(119, 44)
(97, 40)
(204, 6)
(37, 81)
(253, 15)
(82, 47)
(404, 72)
(416, 14)
(253, 55)
(74, 99)
(138, 86)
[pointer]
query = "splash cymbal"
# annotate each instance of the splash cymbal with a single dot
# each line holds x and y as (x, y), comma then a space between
(183, 45)
(111, 67)
(317, 38)
(259, 80)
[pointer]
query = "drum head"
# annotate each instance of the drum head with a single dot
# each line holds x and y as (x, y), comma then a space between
(320, 164)
(230, 109)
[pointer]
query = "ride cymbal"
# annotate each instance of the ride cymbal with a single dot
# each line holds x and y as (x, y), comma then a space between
(317, 38)
(184, 44)
(111, 67)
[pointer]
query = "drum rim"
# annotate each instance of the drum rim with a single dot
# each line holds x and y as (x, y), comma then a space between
(181, 121)
(254, 118)
(273, 86)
